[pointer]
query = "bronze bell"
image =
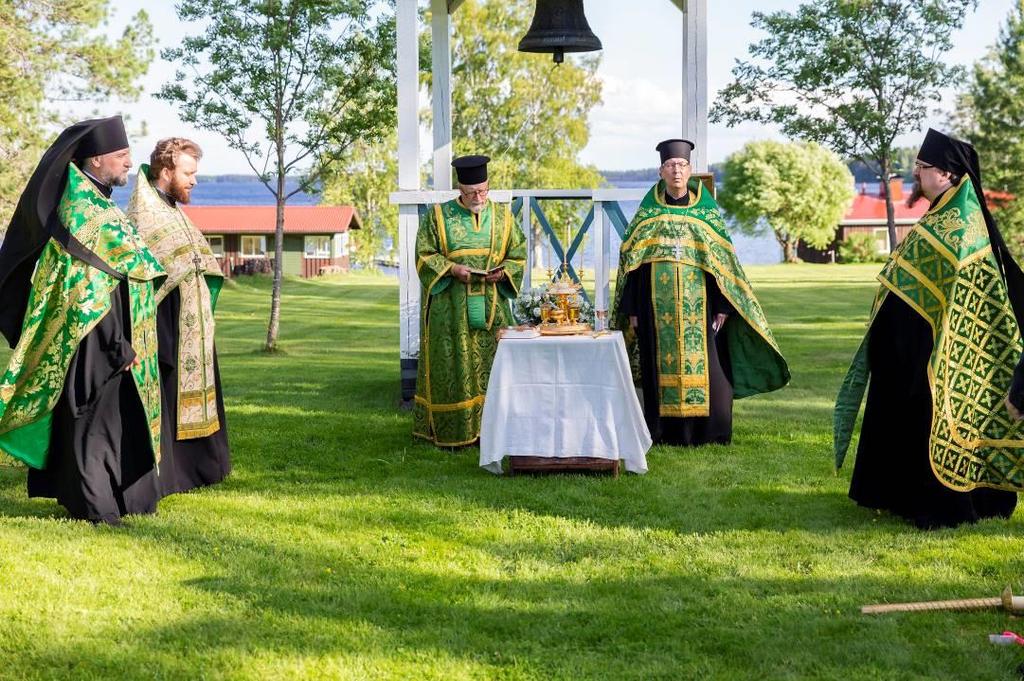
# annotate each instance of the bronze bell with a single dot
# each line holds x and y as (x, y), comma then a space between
(559, 26)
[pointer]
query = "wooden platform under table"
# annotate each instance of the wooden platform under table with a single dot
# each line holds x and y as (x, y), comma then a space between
(533, 465)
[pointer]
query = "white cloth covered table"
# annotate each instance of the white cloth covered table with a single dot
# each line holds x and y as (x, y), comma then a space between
(563, 396)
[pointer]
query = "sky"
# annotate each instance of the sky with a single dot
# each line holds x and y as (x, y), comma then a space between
(641, 68)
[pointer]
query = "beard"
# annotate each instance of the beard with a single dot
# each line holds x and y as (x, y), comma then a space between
(119, 180)
(916, 194)
(180, 192)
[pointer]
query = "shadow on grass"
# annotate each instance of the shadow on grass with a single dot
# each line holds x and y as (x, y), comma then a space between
(339, 536)
(528, 613)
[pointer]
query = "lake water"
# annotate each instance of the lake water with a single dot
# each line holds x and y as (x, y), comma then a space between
(227, 193)
(763, 250)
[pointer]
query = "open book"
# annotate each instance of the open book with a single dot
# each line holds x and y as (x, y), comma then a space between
(484, 273)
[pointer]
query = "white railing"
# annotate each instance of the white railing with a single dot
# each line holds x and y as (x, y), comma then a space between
(606, 216)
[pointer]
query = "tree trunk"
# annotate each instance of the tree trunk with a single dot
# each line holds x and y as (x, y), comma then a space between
(788, 244)
(275, 295)
(789, 247)
(890, 211)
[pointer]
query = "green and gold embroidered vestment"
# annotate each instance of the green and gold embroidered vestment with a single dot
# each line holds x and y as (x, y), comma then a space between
(193, 269)
(946, 272)
(458, 321)
(68, 299)
(681, 243)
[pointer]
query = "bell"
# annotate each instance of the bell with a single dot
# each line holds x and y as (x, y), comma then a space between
(559, 26)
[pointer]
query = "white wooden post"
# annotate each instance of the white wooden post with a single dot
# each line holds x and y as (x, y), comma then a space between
(695, 79)
(527, 227)
(408, 179)
(602, 259)
(441, 92)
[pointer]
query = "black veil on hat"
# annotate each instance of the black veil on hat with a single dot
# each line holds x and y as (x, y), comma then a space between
(961, 158)
(36, 221)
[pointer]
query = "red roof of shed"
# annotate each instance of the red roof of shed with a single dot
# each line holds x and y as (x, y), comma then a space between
(867, 207)
(263, 219)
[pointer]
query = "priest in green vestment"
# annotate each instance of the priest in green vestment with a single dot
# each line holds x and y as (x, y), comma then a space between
(936, 445)
(470, 260)
(195, 450)
(80, 399)
(689, 316)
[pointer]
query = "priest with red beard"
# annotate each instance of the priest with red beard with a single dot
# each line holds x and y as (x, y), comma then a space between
(935, 446)
(194, 434)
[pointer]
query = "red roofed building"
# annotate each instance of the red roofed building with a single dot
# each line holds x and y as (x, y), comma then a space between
(316, 239)
(867, 216)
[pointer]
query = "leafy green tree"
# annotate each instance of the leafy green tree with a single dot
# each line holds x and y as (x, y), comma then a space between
(53, 52)
(800, 189)
(365, 179)
(991, 115)
(850, 74)
(530, 116)
(291, 84)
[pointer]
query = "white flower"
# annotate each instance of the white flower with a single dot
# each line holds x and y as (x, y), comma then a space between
(536, 312)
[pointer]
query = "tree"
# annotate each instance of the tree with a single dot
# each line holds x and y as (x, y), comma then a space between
(365, 179)
(850, 74)
(527, 114)
(291, 84)
(902, 164)
(801, 190)
(51, 54)
(991, 115)
(530, 117)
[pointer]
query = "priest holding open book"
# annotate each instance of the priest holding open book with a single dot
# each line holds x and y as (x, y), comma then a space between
(470, 261)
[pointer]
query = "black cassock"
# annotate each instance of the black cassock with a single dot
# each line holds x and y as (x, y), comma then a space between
(637, 302)
(892, 470)
(185, 464)
(100, 463)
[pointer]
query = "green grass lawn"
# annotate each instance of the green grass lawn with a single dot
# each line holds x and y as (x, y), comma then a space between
(340, 547)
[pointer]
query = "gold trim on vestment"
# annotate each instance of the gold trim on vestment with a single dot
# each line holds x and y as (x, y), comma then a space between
(940, 247)
(452, 406)
(442, 236)
(947, 196)
(183, 252)
(468, 252)
(694, 198)
(438, 443)
(706, 228)
(920, 277)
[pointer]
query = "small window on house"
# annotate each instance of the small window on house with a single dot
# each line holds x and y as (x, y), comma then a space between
(216, 245)
(318, 246)
(254, 246)
(882, 239)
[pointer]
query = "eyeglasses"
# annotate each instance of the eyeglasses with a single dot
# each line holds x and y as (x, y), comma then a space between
(675, 166)
(475, 192)
(922, 166)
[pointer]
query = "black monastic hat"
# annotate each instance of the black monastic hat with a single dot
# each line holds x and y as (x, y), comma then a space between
(107, 135)
(675, 148)
(35, 218)
(949, 154)
(471, 169)
(961, 158)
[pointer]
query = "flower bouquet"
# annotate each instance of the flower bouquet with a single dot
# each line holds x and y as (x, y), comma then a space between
(527, 308)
